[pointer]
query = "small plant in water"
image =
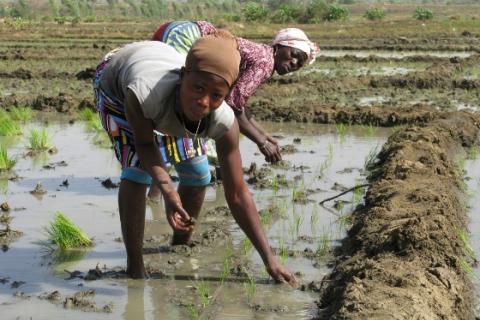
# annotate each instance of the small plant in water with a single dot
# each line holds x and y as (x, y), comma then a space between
(283, 252)
(39, 140)
(371, 129)
(227, 264)
(203, 292)
(371, 158)
(342, 131)
(6, 163)
(65, 234)
(323, 245)
(246, 245)
(250, 289)
(192, 311)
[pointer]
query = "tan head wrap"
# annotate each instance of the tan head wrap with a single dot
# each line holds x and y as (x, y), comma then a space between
(217, 54)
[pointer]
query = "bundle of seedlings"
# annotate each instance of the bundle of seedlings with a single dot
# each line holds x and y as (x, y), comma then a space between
(63, 233)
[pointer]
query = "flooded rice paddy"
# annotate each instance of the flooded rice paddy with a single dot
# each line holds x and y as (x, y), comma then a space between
(320, 161)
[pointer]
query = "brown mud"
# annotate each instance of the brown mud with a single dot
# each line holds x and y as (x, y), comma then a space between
(403, 257)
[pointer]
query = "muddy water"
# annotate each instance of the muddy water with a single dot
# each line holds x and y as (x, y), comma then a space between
(302, 225)
(472, 168)
(394, 54)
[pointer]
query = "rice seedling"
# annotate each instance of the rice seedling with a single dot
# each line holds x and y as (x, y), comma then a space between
(342, 131)
(344, 220)
(294, 225)
(465, 238)
(357, 195)
(282, 251)
(227, 265)
(203, 291)
(6, 163)
(371, 158)
(39, 140)
(8, 127)
(266, 216)
(246, 245)
(314, 220)
(370, 130)
(192, 311)
(323, 245)
(22, 114)
(250, 289)
(63, 233)
(466, 266)
(86, 114)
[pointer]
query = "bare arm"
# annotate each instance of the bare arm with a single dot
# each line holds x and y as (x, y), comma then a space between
(241, 203)
(150, 159)
(267, 145)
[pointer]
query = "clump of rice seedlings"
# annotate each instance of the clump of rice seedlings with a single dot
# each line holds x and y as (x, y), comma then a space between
(39, 140)
(86, 114)
(91, 118)
(8, 127)
(371, 157)
(6, 163)
(22, 114)
(63, 233)
(250, 289)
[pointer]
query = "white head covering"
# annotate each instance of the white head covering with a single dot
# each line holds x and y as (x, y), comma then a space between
(296, 38)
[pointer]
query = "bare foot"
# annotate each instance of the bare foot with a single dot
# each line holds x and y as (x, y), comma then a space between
(137, 274)
(136, 271)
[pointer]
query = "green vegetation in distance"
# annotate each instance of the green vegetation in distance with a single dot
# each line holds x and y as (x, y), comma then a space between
(374, 14)
(423, 14)
(63, 233)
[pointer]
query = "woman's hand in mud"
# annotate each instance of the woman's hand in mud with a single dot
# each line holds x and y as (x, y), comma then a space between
(270, 150)
(177, 217)
(280, 273)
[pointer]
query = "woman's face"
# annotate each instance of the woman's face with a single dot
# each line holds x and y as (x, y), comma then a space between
(288, 59)
(201, 93)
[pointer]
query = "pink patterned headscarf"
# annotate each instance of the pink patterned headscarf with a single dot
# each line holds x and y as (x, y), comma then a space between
(296, 38)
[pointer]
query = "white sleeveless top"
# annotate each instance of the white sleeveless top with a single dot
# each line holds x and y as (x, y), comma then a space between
(151, 69)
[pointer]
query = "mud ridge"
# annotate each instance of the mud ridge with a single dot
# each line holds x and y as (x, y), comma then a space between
(356, 115)
(403, 257)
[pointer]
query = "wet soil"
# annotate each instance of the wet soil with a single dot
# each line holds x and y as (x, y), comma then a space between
(403, 257)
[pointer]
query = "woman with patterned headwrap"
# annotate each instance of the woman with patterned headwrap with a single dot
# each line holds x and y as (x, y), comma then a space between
(148, 86)
(290, 50)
